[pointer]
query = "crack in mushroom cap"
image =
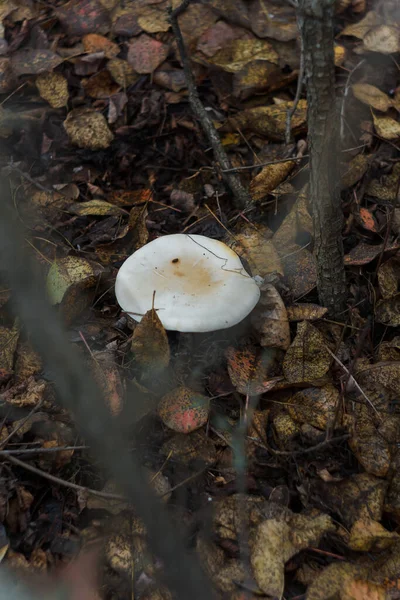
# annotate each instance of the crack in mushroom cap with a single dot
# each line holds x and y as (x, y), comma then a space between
(200, 284)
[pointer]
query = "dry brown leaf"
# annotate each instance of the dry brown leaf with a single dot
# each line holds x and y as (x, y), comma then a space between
(108, 377)
(355, 169)
(269, 178)
(270, 121)
(277, 540)
(270, 319)
(367, 535)
(387, 311)
(369, 445)
(251, 372)
(277, 21)
(296, 222)
(94, 43)
(194, 21)
(305, 312)
(137, 222)
(365, 253)
(236, 54)
(333, 578)
(315, 406)
(28, 362)
(33, 62)
(230, 512)
(53, 87)
(80, 17)
(8, 344)
(380, 375)
(145, 54)
(389, 277)
(307, 358)
(386, 127)
(101, 85)
(122, 72)
(385, 187)
(253, 244)
(284, 429)
(150, 344)
(372, 96)
(186, 448)
(360, 29)
(300, 270)
(359, 589)
(184, 410)
(88, 128)
(98, 208)
(69, 282)
(357, 497)
(383, 38)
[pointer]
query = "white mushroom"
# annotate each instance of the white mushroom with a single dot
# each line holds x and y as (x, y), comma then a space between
(199, 283)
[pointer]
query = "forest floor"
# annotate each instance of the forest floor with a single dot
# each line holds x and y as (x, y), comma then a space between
(274, 443)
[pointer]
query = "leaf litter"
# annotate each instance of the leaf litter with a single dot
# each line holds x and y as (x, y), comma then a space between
(103, 154)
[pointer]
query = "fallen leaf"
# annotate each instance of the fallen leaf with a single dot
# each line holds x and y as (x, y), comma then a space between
(366, 219)
(251, 372)
(365, 253)
(385, 188)
(153, 20)
(355, 169)
(367, 535)
(8, 80)
(368, 443)
(69, 282)
(285, 429)
(300, 270)
(305, 312)
(298, 221)
(276, 20)
(387, 311)
(232, 512)
(98, 208)
(108, 378)
(360, 29)
(150, 344)
(334, 578)
(88, 128)
(80, 17)
(8, 344)
(270, 319)
(277, 540)
(53, 87)
(270, 121)
(185, 448)
(122, 72)
(372, 96)
(184, 410)
(254, 245)
(145, 54)
(389, 277)
(28, 362)
(358, 589)
(269, 178)
(93, 43)
(386, 127)
(307, 358)
(101, 85)
(33, 62)
(315, 406)
(383, 39)
(236, 54)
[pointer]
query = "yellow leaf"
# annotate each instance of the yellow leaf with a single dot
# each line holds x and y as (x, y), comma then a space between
(386, 127)
(269, 178)
(307, 358)
(372, 96)
(383, 39)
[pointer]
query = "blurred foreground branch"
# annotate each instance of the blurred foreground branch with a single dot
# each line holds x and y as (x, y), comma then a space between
(79, 394)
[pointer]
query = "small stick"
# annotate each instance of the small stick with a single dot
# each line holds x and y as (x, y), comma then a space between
(241, 197)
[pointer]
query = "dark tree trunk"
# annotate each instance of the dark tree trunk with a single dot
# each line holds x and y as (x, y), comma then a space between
(316, 24)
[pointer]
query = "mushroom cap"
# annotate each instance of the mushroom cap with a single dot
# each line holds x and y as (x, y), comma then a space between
(199, 283)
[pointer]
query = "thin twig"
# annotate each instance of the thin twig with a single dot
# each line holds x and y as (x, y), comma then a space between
(74, 486)
(300, 82)
(320, 446)
(31, 451)
(241, 197)
(21, 423)
(352, 380)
